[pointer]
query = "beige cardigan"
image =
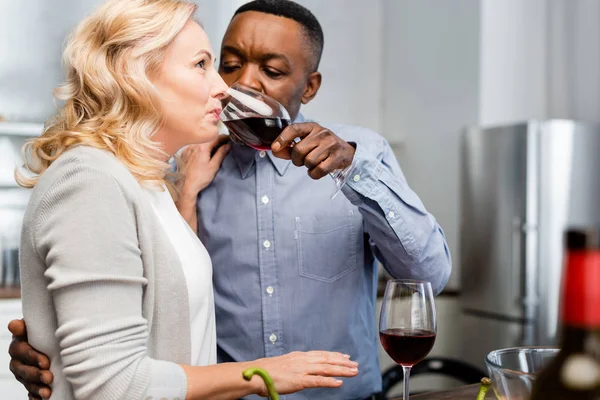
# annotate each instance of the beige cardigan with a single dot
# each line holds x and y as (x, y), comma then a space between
(104, 295)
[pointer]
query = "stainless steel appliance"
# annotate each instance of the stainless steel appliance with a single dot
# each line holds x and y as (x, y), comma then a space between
(521, 185)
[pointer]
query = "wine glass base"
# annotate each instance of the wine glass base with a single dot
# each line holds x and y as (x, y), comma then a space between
(340, 176)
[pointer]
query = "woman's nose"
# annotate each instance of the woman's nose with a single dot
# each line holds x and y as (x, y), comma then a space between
(220, 88)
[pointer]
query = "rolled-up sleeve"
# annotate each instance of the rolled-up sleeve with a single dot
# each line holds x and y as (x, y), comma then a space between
(404, 236)
(86, 233)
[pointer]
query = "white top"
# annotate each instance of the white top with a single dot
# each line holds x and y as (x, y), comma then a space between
(197, 268)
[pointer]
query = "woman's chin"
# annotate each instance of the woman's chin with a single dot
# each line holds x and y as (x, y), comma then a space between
(206, 134)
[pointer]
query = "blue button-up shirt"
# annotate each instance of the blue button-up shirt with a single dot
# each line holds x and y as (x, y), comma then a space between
(294, 269)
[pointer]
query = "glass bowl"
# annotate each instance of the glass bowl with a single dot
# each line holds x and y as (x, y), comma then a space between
(513, 370)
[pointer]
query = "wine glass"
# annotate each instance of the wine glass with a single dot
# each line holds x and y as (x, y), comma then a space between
(256, 120)
(407, 325)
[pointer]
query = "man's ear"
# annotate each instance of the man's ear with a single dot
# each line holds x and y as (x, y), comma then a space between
(313, 83)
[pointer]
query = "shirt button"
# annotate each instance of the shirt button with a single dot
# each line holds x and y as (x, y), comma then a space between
(270, 289)
(356, 178)
(273, 338)
(266, 244)
(265, 200)
(392, 215)
(262, 154)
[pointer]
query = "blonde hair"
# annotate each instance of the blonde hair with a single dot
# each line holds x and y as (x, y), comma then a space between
(110, 102)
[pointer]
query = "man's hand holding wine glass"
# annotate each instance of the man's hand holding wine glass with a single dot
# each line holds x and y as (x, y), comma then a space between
(319, 149)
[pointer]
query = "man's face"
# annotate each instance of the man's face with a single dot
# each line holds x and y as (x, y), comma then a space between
(269, 54)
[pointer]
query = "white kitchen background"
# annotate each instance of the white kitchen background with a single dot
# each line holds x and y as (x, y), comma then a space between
(417, 71)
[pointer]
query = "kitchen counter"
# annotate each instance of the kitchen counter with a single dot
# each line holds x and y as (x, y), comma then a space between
(10, 292)
(460, 393)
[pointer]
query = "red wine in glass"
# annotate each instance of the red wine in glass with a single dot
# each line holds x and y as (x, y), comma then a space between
(255, 119)
(257, 132)
(405, 346)
(407, 325)
(252, 117)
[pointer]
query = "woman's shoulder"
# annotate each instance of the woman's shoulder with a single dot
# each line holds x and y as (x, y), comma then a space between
(86, 166)
(91, 158)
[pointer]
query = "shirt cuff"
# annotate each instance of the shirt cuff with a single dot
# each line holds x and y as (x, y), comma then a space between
(167, 381)
(364, 176)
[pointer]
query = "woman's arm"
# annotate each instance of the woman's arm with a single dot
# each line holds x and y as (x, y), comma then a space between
(291, 373)
(216, 382)
(86, 234)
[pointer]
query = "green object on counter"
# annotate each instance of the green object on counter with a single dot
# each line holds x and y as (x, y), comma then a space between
(483, 388)
(250, 372)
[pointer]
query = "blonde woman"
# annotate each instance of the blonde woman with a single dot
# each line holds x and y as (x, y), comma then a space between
(117, 289)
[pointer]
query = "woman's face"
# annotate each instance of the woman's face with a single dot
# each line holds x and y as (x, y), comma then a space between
(190, 91)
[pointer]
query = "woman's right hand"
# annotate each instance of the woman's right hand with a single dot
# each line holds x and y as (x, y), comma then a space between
(304, 370)
(200, 165)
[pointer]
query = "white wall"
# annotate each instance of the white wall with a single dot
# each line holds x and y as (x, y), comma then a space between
(352, 61)
(33, 32)
(540, 59)
(513, 61)
(574, 59)
(431, 81)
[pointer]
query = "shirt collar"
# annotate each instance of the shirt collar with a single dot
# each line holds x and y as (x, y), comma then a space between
(245, 156)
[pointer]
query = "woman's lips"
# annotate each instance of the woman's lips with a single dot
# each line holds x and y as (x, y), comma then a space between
(216, 114)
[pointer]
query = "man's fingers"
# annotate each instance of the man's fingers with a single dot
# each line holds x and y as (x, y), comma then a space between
(17, 327)
(37, 391)
(26, 354)
(315, 157)
(284, 154)
(302, 149)
(293, 131)
(322, 169)
(43, 363)
(31, 374)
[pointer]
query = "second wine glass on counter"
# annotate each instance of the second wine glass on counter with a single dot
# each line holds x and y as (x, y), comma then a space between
(255, 119)
(407, 324)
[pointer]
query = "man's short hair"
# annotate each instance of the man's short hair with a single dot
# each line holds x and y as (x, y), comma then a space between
(292, 10)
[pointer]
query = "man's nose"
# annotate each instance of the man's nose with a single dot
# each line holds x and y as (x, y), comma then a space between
(249, 78)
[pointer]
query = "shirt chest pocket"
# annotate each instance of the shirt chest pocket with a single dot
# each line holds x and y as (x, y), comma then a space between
(326, 246)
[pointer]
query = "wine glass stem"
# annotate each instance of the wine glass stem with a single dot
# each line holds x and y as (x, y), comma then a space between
(406, 371)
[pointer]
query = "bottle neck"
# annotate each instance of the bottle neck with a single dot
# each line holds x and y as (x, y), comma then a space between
(577, 339)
